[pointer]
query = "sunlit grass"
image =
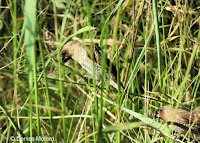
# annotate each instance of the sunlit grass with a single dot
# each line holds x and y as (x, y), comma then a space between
(154, 47)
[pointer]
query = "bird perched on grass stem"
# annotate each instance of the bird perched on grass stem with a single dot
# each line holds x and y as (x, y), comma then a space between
(82, 54)
(179, 120)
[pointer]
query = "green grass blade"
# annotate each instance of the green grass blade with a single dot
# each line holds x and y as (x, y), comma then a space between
(155, 13)
(30, 29)
(121, 127)
(19, 132)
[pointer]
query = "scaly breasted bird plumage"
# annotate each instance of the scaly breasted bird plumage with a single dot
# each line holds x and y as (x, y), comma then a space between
(82, 54)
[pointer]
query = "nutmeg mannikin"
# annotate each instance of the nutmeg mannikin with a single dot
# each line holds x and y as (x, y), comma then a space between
(82, 54)
(179, 120)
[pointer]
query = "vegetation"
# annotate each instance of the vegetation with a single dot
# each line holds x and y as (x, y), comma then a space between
(153, 44)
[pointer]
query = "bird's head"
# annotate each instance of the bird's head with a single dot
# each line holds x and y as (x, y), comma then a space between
(164, 113)
(70, 50)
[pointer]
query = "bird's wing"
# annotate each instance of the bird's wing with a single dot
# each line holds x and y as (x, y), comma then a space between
(197, 115)
(97, 54)
(189, 117)
(94, 55)
(184, 115)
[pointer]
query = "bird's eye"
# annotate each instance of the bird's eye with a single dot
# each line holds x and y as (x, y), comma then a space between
(161, 109)
(63, 53)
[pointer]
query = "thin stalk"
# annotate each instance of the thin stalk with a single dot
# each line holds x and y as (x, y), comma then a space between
(15, 48)
(98, 111)
(165, 51)
(72, 119)
(45, 79)
(14, 16)
(155, 13)
(183, 39)
(60, 73)
(187, 74)
(117, 66)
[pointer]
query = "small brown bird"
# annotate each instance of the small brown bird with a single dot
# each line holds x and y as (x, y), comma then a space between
(82, 54)
(180, 120)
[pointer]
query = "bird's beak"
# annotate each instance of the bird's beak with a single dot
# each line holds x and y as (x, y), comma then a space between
(65, 58)
(156, 114)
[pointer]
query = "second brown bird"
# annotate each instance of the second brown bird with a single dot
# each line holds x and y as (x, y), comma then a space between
(180, 120)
